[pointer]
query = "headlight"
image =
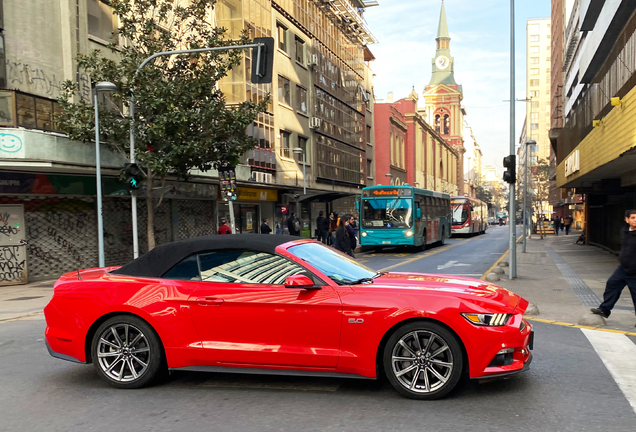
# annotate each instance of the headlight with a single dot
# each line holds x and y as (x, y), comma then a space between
(490, 320)
(364, 234)
(409, 233)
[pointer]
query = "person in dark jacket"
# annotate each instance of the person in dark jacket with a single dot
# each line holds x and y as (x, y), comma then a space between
(333, 226)
(352, 234)
(265, 229)
(625, 274)
(342, 237)
(322, 226)
(293, 224)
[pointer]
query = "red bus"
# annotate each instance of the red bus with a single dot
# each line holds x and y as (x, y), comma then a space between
(470, 215)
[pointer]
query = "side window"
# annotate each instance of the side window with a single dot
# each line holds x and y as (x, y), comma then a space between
(188, 269)
(241, 266)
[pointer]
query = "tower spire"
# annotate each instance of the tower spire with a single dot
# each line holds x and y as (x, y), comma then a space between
(443, 63)
(442, 28)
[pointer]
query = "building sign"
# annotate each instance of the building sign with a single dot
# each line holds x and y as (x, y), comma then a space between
(284, 209)
(253, 194)
(387, 192)
(572, 163)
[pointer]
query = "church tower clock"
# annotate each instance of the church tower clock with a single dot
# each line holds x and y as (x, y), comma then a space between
(443, 96)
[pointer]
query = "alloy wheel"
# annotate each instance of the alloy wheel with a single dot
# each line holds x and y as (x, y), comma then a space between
(123, 352)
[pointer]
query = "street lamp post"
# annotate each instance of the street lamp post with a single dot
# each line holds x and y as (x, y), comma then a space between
(525, 192)
(100, 87)
(131, 109)
(512, 210)
(390, 177)
(299, 150)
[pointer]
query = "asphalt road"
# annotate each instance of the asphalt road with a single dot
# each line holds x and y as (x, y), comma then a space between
(568, 386)
(466, 256)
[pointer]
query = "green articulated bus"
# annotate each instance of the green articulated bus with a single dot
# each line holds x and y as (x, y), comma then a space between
(403, 216)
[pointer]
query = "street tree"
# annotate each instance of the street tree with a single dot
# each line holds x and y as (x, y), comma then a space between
(182, 121)
(483, 193)
(540, 181)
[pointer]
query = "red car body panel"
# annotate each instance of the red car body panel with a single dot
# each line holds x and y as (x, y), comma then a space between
(330, 329)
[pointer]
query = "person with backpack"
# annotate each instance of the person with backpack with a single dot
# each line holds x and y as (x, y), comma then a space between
(343, 244)
(293, 224)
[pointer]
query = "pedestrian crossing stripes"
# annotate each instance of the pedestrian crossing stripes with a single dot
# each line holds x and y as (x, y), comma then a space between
(617, 352)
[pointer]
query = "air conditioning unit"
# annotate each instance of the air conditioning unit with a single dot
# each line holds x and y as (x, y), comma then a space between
(312, 59)
(258, 177)
(315, 122)
(268, 178)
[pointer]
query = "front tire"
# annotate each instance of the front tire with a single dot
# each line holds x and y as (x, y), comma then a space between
(127, 353)
(423, 360)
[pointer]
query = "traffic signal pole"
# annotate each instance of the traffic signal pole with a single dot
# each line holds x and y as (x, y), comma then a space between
(512, 210)
(262, 69)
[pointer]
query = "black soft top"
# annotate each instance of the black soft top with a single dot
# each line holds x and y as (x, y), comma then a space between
(162, 258)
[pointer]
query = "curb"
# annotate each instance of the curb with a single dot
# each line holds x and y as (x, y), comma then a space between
(565, 324)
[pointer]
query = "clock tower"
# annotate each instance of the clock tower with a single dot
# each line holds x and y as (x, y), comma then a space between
(443, 98)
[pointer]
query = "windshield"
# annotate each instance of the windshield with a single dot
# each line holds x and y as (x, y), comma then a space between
(460, 212)
(338, 267)
(387, 213)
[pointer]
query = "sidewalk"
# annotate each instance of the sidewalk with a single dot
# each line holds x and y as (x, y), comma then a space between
(565, 280)
(22, 301)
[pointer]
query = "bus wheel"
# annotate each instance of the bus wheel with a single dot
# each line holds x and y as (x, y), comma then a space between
(443, 240)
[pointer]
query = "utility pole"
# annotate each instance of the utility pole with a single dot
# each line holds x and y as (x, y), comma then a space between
(512, 210)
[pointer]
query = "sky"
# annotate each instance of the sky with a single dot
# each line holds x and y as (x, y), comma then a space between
(480, 46)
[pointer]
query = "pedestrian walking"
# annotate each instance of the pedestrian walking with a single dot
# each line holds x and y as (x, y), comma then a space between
(224, 228)
(625, 274)
(265, 229)
(555, 224)
(322, 228)
(333, 226)
(353, 240)
(568, 224)
(293, 224)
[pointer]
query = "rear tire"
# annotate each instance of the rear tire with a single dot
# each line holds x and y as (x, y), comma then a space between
(423, 360)
(127, 353)
(443, 239)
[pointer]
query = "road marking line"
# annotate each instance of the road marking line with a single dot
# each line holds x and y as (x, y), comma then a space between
(564, 324)
(618, 354)
(427, 254)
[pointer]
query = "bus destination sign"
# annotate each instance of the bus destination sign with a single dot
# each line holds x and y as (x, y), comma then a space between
(392, 192)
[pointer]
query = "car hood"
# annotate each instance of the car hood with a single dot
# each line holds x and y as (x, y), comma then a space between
(456, 286)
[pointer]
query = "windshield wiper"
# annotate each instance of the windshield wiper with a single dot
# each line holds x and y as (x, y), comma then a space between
(378, 274)
(368, 279)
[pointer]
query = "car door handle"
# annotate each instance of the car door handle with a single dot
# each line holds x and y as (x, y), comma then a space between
(209, 301)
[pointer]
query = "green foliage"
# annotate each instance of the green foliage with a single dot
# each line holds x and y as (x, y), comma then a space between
(182, 121)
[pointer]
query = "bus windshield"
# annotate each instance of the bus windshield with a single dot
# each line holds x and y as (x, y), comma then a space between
(460, 212)
(387, 213)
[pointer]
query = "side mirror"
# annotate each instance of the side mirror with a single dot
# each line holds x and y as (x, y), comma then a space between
(418, 213)
(300, 281)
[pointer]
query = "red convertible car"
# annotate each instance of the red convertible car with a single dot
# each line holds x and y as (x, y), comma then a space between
(284, 305)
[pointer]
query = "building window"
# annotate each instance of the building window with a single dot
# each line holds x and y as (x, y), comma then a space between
(534, 71)
(369, 168)
(534, 126)
(368, 135)
(534, 49)
(534, 28)
(300, 50)
(285, 141)
(534, 115)
(284, 90)
(534, 93)
(548, 59)
(301, 99)
(534, 82)
(437, 123)
(446, 124)
(535, 104)
(534, 38)
(281, 31)
(534, 60)
(547, 92)
(302, 143)
(101, 21)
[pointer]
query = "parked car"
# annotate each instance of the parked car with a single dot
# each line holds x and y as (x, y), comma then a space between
(279, 304)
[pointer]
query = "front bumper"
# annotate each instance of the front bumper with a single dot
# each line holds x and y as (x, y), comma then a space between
(515, 339)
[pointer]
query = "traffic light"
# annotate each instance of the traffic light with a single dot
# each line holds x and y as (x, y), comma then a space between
(227, 179)
(133, 176)
(263, 60)
(510, 175)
